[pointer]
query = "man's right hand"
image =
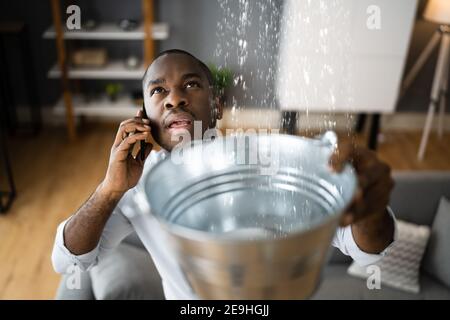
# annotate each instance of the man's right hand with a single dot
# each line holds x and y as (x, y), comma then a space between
(123, 170)
(83, 231)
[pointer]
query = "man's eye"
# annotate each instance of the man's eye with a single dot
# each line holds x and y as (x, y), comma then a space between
(192, 84)
(157, 90)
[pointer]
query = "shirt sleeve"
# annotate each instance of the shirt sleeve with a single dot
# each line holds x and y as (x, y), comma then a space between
(344, 241)
(116, 229)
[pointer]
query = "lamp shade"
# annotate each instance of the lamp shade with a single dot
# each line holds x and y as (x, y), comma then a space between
(438, 11)
(329, 60)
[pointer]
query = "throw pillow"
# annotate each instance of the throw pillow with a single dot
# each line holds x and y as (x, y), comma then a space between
(400, 267)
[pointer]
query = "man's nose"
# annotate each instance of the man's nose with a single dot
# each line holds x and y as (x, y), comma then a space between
(175, 99)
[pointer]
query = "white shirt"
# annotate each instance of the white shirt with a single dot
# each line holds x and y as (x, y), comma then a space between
(124, 220)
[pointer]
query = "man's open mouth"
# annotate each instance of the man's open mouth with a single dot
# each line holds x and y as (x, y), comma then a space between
(183, 121)
(180, 124)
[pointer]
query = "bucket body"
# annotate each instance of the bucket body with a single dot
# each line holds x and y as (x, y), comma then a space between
(250, 227)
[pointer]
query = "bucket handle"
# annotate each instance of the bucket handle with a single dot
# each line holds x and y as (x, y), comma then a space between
(330, 142)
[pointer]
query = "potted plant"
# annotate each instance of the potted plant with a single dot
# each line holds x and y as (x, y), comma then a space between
(113, 90)
(222, 79)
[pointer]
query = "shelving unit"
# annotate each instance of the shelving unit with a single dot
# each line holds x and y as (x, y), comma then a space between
(75, 105)
(101, 107)
(110, 31)
(113, 70)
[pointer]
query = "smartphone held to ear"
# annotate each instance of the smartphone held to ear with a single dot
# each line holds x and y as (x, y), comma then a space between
(143, 143)
(138, 150)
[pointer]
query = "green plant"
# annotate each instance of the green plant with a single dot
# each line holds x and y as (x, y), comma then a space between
(222, 78)
(113, 89)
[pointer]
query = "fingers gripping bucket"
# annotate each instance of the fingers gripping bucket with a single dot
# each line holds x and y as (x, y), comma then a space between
(242, 227)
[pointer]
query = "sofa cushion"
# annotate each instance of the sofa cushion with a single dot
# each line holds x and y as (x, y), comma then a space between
(335, 278)
(126, 273)
(437, 257)
(400, 267)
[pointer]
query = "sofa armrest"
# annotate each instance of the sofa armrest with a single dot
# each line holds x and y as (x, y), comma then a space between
(416, 195)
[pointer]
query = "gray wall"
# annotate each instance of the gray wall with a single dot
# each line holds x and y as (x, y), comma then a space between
(206, 29)
(195, 26)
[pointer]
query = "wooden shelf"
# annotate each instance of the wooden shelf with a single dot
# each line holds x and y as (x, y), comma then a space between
(72, 106)
(113, 70)
(123, 108)
(110, 31)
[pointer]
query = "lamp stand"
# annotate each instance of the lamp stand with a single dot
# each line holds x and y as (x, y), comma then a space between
(440, 83)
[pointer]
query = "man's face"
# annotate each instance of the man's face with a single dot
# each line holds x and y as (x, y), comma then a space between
(176, 94)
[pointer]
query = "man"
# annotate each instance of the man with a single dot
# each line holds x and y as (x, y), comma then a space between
(177, 91)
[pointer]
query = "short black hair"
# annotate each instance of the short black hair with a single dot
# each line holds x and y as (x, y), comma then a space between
(202, 65)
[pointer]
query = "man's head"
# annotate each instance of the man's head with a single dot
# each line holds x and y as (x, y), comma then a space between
(178, 90)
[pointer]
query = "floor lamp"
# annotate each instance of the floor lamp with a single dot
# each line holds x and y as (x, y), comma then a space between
(437, 11)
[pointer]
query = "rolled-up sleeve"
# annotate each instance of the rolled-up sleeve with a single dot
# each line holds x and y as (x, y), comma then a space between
(344, 241)
(116, 229)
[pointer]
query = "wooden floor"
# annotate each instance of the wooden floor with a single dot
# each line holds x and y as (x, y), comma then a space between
(54, 177)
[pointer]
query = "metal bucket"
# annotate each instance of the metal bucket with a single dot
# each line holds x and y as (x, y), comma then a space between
(246, 229)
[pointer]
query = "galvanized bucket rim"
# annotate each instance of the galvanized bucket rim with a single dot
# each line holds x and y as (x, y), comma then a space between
(200, 236)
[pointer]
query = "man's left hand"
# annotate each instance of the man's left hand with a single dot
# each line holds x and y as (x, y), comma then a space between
(374, 182)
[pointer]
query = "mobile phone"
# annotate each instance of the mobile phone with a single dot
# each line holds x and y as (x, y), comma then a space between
(142, 142)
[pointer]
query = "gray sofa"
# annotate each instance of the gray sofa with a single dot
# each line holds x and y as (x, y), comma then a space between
(415, 199)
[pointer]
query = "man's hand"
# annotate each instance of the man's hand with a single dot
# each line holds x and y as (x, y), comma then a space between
(83, 231)
(372, 226)
(123, 170)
